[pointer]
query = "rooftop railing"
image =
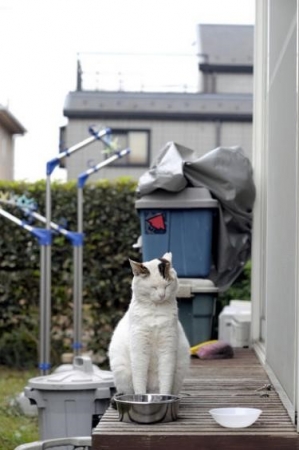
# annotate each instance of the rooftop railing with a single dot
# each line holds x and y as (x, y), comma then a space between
(139, 72)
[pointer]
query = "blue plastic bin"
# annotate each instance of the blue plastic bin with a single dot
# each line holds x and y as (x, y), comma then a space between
(196, 303)
(181, 223)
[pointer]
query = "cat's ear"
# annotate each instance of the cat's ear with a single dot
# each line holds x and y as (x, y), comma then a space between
(139, 269)
(167, 256)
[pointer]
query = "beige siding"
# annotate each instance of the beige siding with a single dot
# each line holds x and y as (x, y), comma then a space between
(237, 133)
(199, 136)
(6, 155)
(234, 83)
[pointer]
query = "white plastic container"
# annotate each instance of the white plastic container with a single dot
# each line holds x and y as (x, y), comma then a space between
(234, 323)
(240, 330)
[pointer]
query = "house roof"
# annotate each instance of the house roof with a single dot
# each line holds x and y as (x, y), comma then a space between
(162, 106)
(8, 121)
(226, 46)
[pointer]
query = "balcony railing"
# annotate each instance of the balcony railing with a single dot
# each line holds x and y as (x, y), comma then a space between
(137, 72)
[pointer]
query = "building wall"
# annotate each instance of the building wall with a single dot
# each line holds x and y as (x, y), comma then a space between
(275, 287)
(237, 133)
(6, 155)
(200, 136)
(225, 83)
(282, 198)
(240, 83)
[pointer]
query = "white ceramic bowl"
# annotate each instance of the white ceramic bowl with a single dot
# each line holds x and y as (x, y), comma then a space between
(235, 417)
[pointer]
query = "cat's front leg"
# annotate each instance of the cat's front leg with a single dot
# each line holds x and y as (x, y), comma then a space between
(167, 357)
(140, 356)
(166, 372)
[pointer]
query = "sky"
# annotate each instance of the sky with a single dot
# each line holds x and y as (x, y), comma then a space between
(40, 41)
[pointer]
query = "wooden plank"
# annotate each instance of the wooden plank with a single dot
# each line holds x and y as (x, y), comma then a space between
(210, 384)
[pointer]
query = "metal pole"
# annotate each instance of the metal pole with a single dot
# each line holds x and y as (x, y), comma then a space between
(42, 313)
(78, 256)
(78, 269)
(83, 176)
(46, 337)
(30, 212)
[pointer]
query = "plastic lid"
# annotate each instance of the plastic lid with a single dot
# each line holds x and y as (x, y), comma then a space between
(195, 197)
(81, 376)
(241, 318)
(240, 304)
(190, 286)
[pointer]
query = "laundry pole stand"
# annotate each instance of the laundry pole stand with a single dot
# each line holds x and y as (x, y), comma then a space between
(50, 166)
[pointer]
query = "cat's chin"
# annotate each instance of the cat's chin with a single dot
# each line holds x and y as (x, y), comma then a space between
(160, 301)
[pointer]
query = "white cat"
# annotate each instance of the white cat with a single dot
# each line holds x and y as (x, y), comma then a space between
(149, 351)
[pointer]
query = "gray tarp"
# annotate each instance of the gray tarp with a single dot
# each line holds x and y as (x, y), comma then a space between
(227, 173)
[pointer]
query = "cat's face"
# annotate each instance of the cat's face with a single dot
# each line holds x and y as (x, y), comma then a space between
(155, 280)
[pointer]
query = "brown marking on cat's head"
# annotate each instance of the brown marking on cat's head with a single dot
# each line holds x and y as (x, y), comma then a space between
(139, 269)
(164, 268)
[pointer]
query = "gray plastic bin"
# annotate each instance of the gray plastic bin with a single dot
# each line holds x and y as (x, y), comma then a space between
(68, 401)
(196, 302)
(181, 223)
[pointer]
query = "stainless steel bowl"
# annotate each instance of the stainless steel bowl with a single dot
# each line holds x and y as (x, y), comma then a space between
(147, 408)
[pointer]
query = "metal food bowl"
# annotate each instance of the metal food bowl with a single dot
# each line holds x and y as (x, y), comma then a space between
(147, 408)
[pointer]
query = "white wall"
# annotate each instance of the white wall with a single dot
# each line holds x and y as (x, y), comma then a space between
(275, 160)
(6, 155)
(282, 196)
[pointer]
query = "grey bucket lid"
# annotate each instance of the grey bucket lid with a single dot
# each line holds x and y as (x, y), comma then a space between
(189, 198)
(188, 287)
(81, 376)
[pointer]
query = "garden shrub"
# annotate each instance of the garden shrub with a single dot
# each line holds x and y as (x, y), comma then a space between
(110, 225)
(240, 289)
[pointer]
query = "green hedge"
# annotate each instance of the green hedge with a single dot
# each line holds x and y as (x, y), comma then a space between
(240, 289)
(111, 226)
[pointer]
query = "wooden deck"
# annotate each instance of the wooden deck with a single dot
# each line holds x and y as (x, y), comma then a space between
(217, 383)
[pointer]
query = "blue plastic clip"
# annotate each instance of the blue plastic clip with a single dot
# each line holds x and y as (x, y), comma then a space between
(96, 133)
(77, 345)
(44, 236)
(76, 238)
(44, 366)
(82, 179)
(51, 165)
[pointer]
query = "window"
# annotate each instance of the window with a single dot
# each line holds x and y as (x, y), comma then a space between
(139, 143)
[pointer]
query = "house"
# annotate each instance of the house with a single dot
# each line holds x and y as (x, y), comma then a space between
(217, 112)
(9, 128)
